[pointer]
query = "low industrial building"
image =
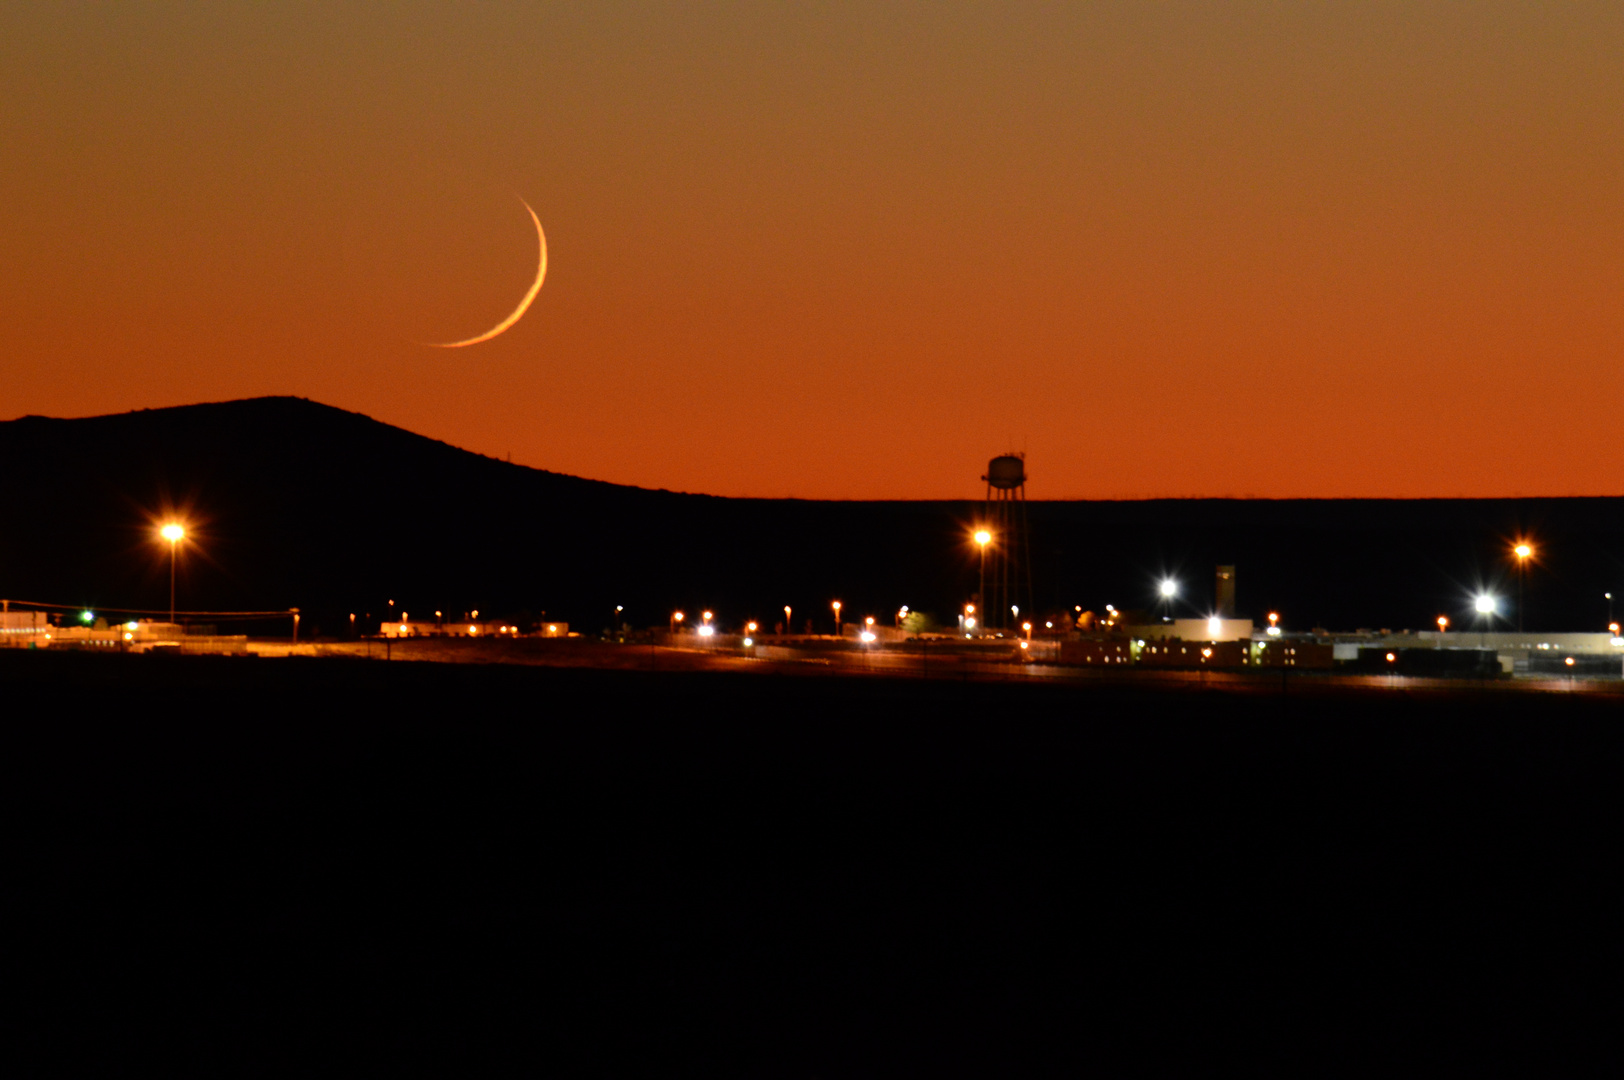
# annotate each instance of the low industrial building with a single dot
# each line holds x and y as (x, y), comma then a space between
(409, 628)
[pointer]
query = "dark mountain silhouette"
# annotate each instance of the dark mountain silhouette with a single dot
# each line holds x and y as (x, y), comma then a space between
(294, 503)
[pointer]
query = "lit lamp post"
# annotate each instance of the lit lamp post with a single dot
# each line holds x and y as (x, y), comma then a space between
(1523, 551)
(836, 606)
(174, 534)
(1443, 625)
(788, 629)
(1484, 606)
(983, 538)
(676, 620)
(1169, 589)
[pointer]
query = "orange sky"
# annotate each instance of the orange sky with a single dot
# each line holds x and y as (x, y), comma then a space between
(845, 250)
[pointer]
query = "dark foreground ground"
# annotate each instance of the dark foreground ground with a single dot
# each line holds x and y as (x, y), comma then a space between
(340, 866)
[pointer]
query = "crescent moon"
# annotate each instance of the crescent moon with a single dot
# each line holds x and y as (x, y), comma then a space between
(524, 305)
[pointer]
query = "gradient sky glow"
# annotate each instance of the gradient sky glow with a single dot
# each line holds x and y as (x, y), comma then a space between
(845, 250)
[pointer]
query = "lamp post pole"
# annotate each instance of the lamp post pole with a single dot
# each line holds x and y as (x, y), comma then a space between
(1523, 550)
(983, 538)
(174, 533)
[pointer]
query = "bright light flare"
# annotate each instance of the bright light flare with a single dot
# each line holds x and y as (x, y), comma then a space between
(868, 636)
(172, 532)
(707, 630)
(1169, 588)
(983, 537)
(1485, 604)
(1523, 550)
(1215, 626)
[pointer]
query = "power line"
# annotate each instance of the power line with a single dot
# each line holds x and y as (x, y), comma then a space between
(149, 611)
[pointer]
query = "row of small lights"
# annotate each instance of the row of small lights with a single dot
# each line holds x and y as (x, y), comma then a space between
(1485, 604)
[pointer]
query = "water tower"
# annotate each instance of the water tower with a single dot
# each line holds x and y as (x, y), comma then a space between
(1008, 575)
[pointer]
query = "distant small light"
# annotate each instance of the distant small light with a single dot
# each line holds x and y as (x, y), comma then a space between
(707, 630)
(131, 625)
(473, 630)
(1569, 661)
(970, 623)
(86, 616)
(1049, 625)
(127, 636)
(867, 635)
(1274, 631)
(749, 642)
(1215, 626)
(1391, 657)
(1023, 644)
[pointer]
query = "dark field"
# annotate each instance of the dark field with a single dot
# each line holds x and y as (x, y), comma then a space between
(331, 865)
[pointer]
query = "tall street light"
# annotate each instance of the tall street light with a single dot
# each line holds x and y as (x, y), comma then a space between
(983, 538)
(174, 533)
(1485, 605)
(836, 606)
(1169, 589)
(1523, 551)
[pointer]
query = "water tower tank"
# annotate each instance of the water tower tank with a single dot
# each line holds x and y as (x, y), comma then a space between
(1006, 473)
